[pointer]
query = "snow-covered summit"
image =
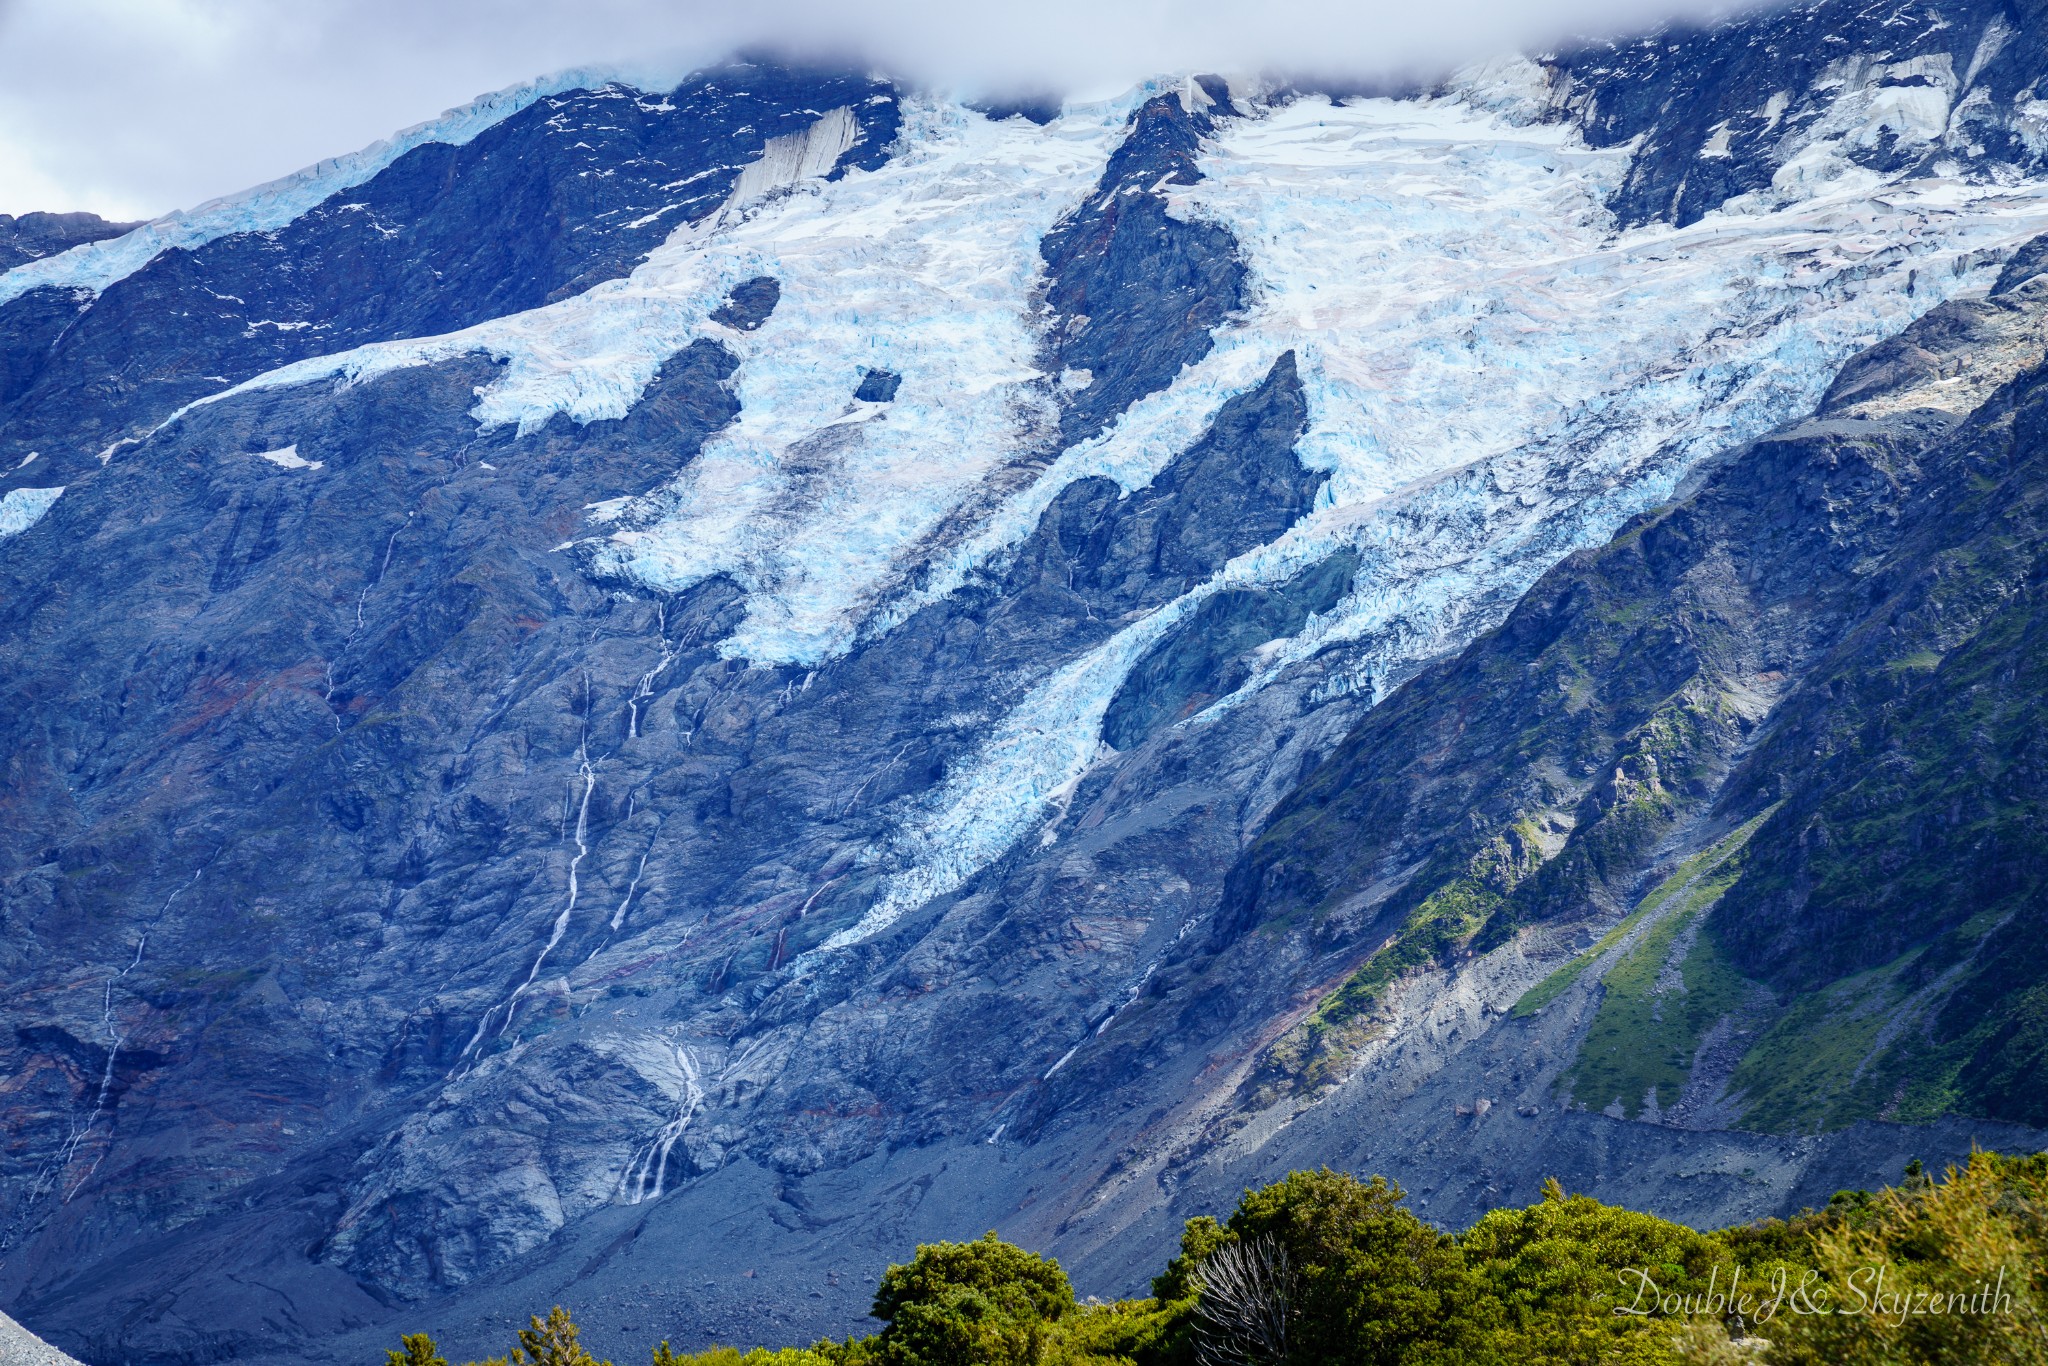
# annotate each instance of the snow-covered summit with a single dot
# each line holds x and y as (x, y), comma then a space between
(263, 208)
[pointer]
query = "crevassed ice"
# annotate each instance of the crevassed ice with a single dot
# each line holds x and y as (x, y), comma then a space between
(96, 265)
(1494, 380)
(925, 267)
(23, 508)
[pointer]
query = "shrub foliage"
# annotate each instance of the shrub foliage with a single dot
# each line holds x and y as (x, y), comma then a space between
(1322, 1269)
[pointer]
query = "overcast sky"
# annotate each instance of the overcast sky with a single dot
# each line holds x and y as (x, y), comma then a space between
(131, 108)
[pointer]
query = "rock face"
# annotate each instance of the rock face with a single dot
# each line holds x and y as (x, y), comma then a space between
(652, 702)
(1810, 93)
(34, 235)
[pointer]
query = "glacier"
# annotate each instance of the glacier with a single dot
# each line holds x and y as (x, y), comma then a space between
(1496, 377)
(924, 267)
(21, 509)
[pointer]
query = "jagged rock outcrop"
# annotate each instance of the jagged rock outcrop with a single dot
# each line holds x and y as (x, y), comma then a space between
(1811, 93)
(33, 235)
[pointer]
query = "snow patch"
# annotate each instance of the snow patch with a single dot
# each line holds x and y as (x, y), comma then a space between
(290, 459)
(23, 508)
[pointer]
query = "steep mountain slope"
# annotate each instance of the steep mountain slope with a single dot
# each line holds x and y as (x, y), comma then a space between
(777, 667)
(1759, 112)
(567, 188)
(1748, 675)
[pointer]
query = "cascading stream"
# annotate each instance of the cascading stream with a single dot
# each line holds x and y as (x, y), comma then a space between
(117, 1038)
(587, 771)
(649, 1166)
(382, 569)
(644, 692)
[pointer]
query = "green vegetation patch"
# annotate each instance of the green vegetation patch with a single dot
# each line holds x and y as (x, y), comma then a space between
(1323, 1269)
(1555, 985)
(1663, 995)
(1806, 1070)
(1870, 1047)
(1649, 1024)
(1446, 920)
(1920, 661)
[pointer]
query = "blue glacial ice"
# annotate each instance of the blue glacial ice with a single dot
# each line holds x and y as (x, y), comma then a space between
(23, 508)
(1495, 378)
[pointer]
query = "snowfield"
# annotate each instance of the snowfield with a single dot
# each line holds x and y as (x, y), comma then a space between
(1495, 378)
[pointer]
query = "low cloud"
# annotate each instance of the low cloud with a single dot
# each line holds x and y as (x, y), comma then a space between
(130, 108)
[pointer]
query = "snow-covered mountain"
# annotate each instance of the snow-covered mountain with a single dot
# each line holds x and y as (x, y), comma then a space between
(642, 697)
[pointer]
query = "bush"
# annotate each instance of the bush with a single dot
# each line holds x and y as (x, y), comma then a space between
(1321, 1269)
(1940, 1248)
(550, 1343)
(820, 1354)
(554, 1343)
(984, 1303)
(417, 1349)
(1367, 1281)
(1126, 1333)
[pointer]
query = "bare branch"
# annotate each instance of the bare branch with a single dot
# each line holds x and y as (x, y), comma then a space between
(1246, 1301)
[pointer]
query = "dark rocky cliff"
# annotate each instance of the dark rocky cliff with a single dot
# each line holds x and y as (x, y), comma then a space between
(33, 235)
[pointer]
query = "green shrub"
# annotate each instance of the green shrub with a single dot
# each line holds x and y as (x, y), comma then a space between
(1939, 1248)
(1322, 1269)
(417, 1350)
(1369, 1282)
(984, 1303)
(819, 1354)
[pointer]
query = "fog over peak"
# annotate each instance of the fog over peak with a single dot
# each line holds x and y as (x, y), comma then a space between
(131, 108)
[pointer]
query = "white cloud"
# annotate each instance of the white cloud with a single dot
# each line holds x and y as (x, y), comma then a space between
(130, 108)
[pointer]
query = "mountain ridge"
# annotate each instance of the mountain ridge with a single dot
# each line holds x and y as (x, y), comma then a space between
(489, 805)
